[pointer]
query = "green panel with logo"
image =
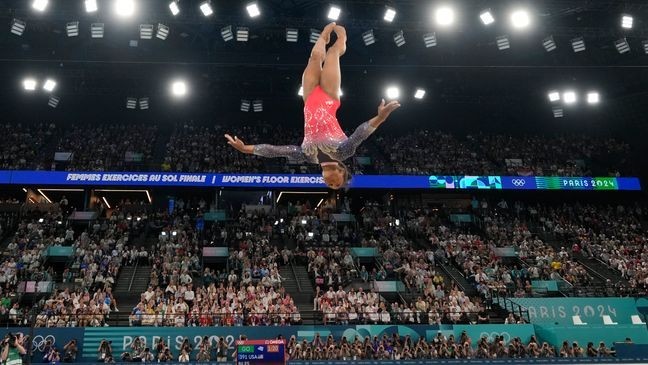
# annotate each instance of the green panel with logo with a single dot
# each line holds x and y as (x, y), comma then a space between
(559, 311)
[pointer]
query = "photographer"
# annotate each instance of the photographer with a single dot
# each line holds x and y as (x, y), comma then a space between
(147, 356)
(12, 349)
(104, 351)
(70, 350)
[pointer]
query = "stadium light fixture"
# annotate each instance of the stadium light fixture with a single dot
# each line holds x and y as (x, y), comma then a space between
(622, 45)
(245, 105)
(242, 34)
(430, 40)
(227, 33)
(444, 16)
(97, 30)
(144, 103)
(399, 38)
(162, 31)
(131, 103)
(419, 94)
(487, 17)
(558, 112)
(125, 8)
(253, 10)
(593, 97)
(53, 101)
(578, 44)
(553, 96)
(257, 106)
(179, 88)
(503, 42)
(390, 14)
(314, 35)
(569, 97)
(368, 37)
(18, 27)
(30, 84)
(645, 46)
(392, 92)
(174, 8)
(334, 12)
(91, 6)
(520, 19)
(549, 44)
(40, 5)
(146, 31)
(292, 35)
(627, 21)
(206, 8)
(49, 85)
(72, 29)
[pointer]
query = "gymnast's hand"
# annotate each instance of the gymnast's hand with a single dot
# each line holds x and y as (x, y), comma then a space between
(239, 145)
(384, 110)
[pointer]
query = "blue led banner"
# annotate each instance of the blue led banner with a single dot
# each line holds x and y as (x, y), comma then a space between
(315, 181)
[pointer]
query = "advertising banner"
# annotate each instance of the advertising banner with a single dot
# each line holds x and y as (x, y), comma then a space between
(561, 310)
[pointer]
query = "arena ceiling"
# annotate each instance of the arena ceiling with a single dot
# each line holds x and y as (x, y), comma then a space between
(469, 81)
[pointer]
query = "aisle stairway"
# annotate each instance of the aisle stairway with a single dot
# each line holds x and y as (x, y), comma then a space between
(133, 281)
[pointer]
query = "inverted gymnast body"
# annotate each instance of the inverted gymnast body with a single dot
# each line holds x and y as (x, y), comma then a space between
(324, 141)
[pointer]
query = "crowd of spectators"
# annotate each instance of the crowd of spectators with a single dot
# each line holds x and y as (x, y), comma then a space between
(21, 145)
(194, 147)
(116, 147)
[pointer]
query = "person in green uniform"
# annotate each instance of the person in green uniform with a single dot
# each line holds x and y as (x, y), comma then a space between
(12, 349)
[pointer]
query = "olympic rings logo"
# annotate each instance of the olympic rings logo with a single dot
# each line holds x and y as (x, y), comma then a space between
(39, 342)
(518, 182)
(491, 336)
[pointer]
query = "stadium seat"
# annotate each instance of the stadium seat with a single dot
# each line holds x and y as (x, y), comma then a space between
(636, 319)
(577, 321)
(607, 320)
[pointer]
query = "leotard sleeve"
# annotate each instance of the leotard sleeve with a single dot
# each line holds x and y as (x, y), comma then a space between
(348, 147)
(291, 152)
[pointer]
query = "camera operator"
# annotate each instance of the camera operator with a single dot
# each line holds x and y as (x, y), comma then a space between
(147, 356)
(12, 349)
(70, 350)
(104, 351)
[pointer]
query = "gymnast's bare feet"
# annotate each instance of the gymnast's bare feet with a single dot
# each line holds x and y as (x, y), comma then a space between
(340, 43)
(319, 49)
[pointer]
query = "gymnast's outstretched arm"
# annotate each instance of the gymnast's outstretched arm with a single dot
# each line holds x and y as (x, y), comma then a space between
(266, 150)
(348, 147)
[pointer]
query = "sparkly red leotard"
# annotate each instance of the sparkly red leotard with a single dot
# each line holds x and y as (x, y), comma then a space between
(322, 133)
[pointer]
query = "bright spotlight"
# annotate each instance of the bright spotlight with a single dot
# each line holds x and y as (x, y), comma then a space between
(40, 5)
(626, 21)
(444, 16)
(206, 8)
(593, 97)
(49, 85)
(91, 6)
(520, 19)
(569, 97)
(29, 84)
(390, 14)
(334, 12)
(175, 9)
(179, 88)
(487, 17)
(419, 94)
(253, 10)
(392, 92)
(125, 7)
(553, 96)
(300, 92)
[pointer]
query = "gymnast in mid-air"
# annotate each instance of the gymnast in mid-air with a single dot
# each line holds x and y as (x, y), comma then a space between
(324, 141)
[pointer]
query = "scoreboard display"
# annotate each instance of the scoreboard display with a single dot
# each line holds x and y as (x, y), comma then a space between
(267, 352)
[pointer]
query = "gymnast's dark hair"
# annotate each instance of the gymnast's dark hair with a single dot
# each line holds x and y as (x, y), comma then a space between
(346, 185)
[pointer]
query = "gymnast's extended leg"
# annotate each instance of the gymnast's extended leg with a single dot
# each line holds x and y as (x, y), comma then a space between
(313, 71)
(331, 78)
